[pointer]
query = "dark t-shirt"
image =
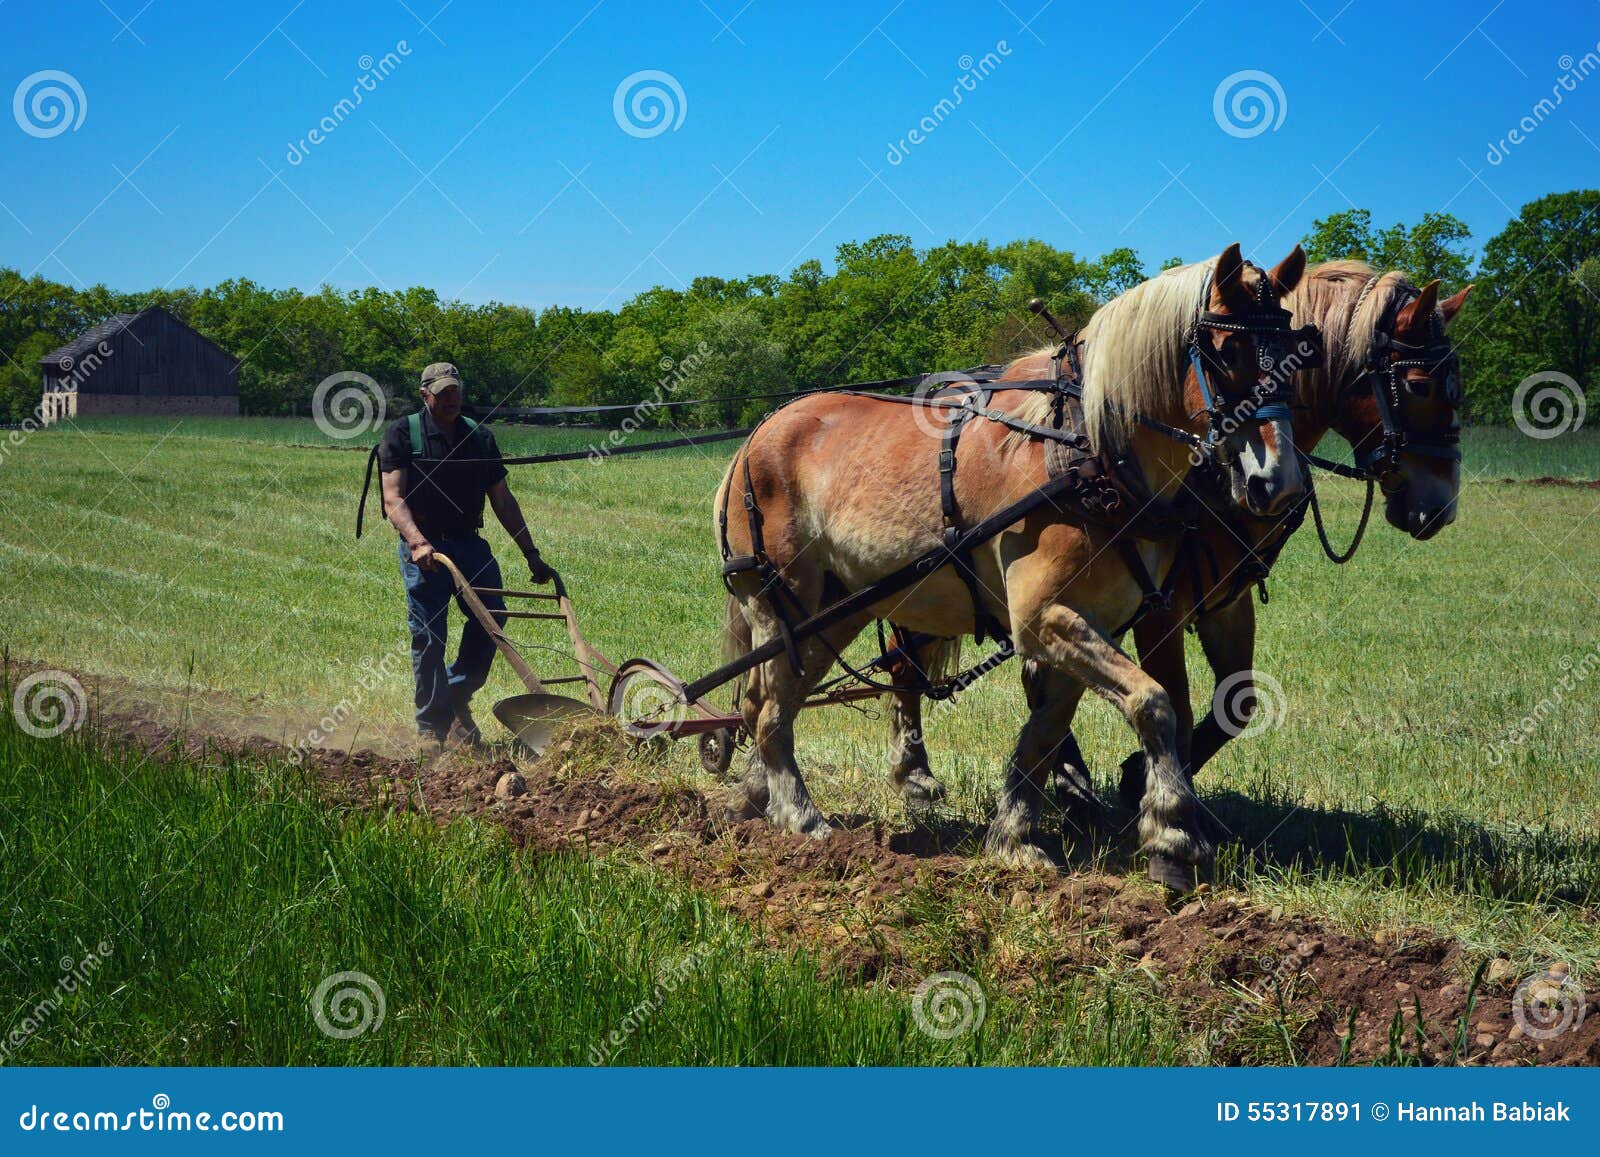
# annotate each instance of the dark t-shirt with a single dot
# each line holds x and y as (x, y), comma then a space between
(443, 488)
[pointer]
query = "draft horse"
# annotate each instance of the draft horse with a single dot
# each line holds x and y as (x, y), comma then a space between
(835, 491)
(1391, 387)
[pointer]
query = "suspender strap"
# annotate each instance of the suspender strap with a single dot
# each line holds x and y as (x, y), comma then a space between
(361, 509)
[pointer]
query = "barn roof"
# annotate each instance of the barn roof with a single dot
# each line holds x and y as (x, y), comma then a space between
(91, 338)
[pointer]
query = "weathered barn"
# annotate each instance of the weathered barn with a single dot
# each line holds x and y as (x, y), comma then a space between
(148, 362)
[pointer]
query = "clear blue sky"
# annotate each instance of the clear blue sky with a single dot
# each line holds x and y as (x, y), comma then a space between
(489, 163)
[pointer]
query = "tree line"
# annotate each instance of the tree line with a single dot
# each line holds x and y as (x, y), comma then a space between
(886, 309)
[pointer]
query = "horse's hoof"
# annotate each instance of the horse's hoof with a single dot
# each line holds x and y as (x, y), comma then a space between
(740, 808)
(921, 790)
(1023, 855)
(806, 821)
(1174, 875)
(1131, 789)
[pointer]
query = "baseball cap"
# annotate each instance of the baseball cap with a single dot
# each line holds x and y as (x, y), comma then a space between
(439, 377)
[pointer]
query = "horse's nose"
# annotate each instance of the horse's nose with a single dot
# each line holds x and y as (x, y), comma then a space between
(1258, 494)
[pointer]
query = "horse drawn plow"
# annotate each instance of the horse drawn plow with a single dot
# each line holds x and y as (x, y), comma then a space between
(645, 697)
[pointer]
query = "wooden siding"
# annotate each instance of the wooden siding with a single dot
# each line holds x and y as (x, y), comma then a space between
(155, 356)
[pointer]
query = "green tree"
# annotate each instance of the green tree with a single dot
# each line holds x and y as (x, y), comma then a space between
(1535, 307)
(731, 354)
(1433, 248)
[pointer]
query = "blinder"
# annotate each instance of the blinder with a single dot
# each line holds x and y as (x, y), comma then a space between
(1282, 350)
(1385, 372)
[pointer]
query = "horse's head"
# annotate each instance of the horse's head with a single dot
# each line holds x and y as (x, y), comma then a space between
(1400, 414)
(1243, 356)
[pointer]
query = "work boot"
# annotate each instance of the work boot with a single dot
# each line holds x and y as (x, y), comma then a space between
(429, 747)
(464, 732)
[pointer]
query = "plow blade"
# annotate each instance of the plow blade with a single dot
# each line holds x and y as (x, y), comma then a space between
(535, 719)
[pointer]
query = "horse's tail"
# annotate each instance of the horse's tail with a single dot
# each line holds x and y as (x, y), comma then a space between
(937, 659)
(737, 642)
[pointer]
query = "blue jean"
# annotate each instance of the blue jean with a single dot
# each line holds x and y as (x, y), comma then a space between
(444, 692)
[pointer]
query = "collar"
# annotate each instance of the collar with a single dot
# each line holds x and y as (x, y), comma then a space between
(432, 429)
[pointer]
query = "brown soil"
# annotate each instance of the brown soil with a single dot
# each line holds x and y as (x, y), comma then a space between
(853, 899)
(1579, 483)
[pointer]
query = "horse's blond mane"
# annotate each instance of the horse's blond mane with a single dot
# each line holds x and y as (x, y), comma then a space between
(1134, 351)
(1335, 297)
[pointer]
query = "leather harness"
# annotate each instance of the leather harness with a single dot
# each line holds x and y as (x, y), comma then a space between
(1383, 374)
(1106, 489)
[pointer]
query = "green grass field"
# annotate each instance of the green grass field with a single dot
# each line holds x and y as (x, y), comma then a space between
(199, 910)
(215, 562)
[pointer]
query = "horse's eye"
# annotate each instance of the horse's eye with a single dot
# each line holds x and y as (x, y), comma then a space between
(1419, 388)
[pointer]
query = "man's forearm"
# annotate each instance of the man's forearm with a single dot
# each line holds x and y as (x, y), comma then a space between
(400, 517)
(507, 510)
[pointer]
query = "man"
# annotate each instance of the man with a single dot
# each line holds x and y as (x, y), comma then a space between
(437, 469)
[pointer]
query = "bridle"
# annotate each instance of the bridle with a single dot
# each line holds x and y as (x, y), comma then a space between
(1384, 374)
(1272, 328)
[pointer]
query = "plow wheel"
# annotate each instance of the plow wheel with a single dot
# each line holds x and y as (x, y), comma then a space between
(716, 751)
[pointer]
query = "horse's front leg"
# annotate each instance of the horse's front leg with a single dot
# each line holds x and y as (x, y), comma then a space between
(1169, 814)
(1071, 785)
(1013, 836)
(1159, 637)
(1228, 637)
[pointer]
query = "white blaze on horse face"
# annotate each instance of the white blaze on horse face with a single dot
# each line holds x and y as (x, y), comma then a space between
(1267, 476)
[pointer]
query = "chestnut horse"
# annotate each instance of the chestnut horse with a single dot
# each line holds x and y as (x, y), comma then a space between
(1386, 350)
(1369, 321)
(842, 490)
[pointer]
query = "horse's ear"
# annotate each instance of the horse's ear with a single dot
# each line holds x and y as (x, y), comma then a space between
(1451, 306)
(1287, 273)
(1227, 281)
(1421, 307)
